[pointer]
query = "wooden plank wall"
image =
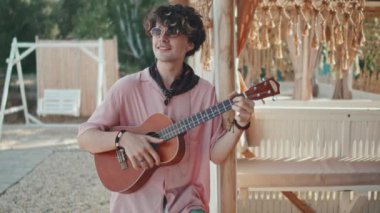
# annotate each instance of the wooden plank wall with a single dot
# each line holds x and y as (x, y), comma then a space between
(71, 68)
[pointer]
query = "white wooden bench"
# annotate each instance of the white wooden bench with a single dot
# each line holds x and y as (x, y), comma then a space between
(314, 146)
(59, 102)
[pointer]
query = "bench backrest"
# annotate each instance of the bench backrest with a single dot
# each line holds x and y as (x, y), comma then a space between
(59, 102)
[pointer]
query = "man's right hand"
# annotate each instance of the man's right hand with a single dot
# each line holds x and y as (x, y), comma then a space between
(139, 150)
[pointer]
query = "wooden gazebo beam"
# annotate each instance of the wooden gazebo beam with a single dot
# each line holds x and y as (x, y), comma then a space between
(224, 66)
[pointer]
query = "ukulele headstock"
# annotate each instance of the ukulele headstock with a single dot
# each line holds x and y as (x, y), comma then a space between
(267, 88)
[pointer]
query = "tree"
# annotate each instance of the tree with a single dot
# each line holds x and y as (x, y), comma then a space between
(134, 45)
(107, 18)
(79, 19)
(82, 19)
(24, 20)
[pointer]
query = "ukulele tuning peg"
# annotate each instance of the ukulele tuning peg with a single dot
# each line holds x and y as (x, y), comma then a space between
(263, 101)
(273, 98)
(253, 85)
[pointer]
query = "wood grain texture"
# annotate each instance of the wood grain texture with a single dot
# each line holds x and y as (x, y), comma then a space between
(225, 84)
(71, 68)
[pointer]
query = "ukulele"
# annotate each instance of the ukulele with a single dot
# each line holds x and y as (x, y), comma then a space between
(115, 169)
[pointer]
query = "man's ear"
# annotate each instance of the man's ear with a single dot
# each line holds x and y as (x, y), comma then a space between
(190, 46)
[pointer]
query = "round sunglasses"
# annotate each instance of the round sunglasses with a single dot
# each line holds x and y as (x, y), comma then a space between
(170, 32)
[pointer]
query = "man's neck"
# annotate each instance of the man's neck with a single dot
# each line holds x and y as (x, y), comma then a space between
(169, 72)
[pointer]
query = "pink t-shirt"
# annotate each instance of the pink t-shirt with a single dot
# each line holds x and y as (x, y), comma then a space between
(186, 185)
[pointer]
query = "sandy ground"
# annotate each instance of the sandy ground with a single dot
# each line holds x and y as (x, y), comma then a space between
(62, 179)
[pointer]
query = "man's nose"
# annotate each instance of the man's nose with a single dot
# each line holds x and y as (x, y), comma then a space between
(164, 36)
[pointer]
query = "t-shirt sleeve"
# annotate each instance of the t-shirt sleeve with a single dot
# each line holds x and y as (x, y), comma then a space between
(106, 115)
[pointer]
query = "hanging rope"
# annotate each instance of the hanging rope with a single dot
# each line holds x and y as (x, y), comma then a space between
(337, 24)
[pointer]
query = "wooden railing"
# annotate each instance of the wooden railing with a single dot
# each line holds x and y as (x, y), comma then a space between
(334, 129)
(312, 146)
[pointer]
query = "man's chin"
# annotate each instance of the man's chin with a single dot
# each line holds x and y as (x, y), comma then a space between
(165, 59)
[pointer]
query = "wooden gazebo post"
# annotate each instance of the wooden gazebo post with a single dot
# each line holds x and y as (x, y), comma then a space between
(224, 66)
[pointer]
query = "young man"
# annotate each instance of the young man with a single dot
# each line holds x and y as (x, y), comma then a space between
(169, 87)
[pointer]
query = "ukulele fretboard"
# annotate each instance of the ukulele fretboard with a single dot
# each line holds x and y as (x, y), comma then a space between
(195, 120)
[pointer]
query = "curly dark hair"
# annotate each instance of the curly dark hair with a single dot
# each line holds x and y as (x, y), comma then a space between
(186, 19)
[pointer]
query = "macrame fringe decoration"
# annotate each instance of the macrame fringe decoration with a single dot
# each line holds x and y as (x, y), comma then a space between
(204, 8)
(278, 39)
(338, 25)
(323, 31)
(346, 18)
(339, 34)
(296, 38)
(278, 36)
(306, 9)
(315, 39)
(289, 29)
(253, 35)
(331, 39)
(361, 38)
(323, 10)
(354, 26)
(266, 27)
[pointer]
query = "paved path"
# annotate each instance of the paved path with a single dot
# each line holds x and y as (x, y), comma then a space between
(23, 147)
